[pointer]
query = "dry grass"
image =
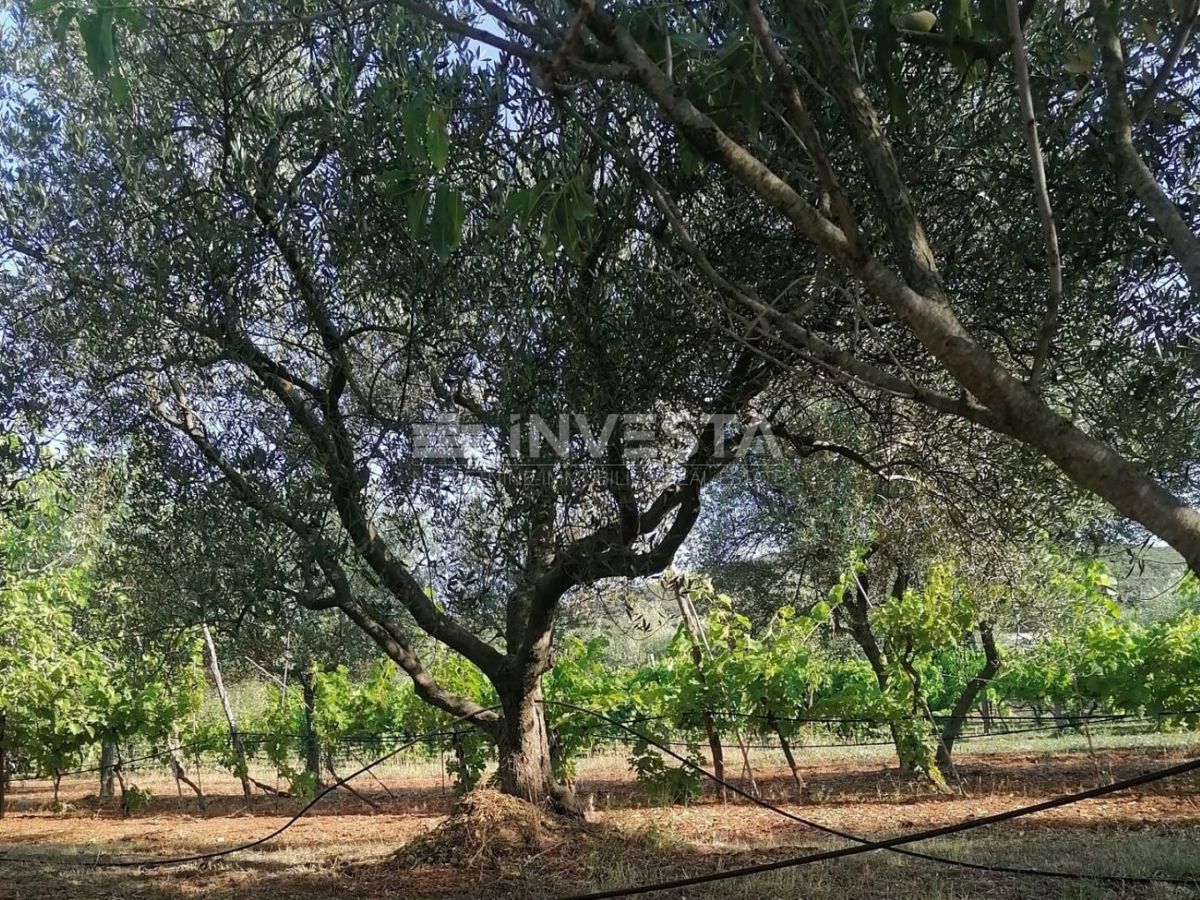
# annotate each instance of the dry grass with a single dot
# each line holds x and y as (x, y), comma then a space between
(494, 849)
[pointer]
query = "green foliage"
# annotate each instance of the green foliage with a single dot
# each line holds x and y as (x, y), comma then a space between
(446, 224)
(1112, 665)
(303, 785)
(100, 29)
(51, 689)
(136, 799)
(67, 677)
(789, 671)
(369, 703)
(472, 751)
(283, 720)
(779, 676)
(663, 782)
(582, 676)
(917, 627)
(919, 623)
(437, 138)
(557, 211)
(306, 210)
(71, 675)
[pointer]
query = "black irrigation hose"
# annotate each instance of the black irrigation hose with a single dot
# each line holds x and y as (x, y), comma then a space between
(893, 844)
(890, 843)
(864, 845)
(258, 842)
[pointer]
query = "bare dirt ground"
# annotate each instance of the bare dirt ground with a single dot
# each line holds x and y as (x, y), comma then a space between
(345, 848)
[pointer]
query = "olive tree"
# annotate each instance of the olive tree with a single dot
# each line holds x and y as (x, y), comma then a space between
(929, 170)
(341, 274)
(279, 243)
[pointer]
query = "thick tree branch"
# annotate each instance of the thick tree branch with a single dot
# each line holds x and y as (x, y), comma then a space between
(806, 445)
(608, 551)
(810, 345)
(396, 645)
(385, 634)
(346, 489)
(952, 727)
(184, 420)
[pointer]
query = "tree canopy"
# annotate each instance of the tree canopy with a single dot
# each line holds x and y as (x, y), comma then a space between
(439, 313)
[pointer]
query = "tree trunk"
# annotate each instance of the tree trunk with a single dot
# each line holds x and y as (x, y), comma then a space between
(953, 727)
(3, 762)
(1060, 717)
(177, 769)
(695, 630)
(524, 749)
(700, 645)
(985, 714)
(108, 755)
(789, 756)
(710, 729)
(235, 739)
(1184, 243)
(120, 775)
(856, 604)
(308, 732)
(714, 744)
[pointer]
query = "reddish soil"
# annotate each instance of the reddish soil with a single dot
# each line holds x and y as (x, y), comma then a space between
(346, 848)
